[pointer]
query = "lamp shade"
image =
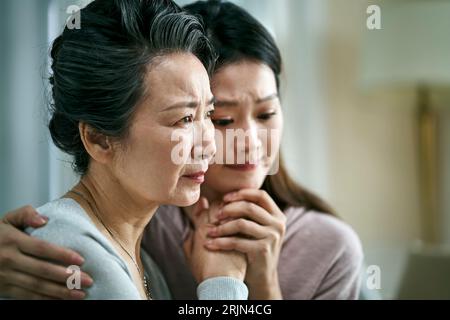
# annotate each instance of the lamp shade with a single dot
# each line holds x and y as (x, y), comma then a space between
(413, 46)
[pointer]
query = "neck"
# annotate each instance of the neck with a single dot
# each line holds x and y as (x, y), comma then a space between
(211, 195)
(113, 207)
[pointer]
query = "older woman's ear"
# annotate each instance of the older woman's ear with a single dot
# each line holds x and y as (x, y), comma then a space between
(97, 145)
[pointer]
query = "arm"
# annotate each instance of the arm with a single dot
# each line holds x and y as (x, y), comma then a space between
(220, 274)
(343, 279)
(222, 288)
(24, 270)
(252, 223)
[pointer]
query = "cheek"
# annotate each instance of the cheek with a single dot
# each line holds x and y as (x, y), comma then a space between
(145, 165)
(272, 139)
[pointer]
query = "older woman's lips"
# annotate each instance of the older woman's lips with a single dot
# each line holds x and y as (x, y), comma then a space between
(198, 177)
(242, 167)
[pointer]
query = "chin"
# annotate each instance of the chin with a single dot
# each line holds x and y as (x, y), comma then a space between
(248, 185)
(235, 186)
(186, 198)
(243, 182)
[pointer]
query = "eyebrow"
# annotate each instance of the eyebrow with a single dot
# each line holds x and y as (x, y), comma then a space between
(234, 103)
(188, 104)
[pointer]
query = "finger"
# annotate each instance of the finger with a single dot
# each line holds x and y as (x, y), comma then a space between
(25, 217)
(47, 270)
(249, 210)
(230, 244)
(24, 294)
(48, 251)
(223, 221)
(44, 287)
(240, 226)
(214, 211)
(259, 197)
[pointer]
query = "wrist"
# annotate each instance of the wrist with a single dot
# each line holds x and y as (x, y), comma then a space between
(265, 288)
(231, 274)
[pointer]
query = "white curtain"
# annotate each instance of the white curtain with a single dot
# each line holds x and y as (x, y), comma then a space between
(32, 171)
(24, 169)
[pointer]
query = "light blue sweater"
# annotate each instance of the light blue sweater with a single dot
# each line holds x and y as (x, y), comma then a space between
(71, 227)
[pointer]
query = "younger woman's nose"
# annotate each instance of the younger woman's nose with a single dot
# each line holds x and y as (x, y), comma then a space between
(252, 141)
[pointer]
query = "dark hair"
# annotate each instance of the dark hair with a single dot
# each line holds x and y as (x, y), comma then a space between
(237, 36)
(98, 70)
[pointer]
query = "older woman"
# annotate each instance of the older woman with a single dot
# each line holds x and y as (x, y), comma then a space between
(122, 85)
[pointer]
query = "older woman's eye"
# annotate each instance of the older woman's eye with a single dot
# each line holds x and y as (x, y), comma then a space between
(186, 120)
(222, 122)
(266, 116)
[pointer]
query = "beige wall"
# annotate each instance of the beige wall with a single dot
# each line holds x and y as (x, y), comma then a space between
(355, 148)
(373, 167)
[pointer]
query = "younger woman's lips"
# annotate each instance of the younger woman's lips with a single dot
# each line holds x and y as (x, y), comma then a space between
(242, 167)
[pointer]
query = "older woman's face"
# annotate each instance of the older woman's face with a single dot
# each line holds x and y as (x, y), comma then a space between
(246, 101)
(149, 163)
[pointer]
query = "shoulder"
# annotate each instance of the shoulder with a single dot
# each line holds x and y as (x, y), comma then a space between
(326, 249)
(70, 227)
(67, 224)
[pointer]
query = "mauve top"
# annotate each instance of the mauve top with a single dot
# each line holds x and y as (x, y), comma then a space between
(321, 256)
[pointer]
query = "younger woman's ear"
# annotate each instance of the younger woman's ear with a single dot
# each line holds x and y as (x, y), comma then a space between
(96, 144)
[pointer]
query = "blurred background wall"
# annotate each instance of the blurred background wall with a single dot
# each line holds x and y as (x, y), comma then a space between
(356, 148)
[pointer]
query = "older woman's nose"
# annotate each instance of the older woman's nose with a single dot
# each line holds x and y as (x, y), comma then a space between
(204, 141)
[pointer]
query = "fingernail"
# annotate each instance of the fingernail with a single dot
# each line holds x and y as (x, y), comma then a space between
(76, 294)
(40, 220)
(78, 260)
(86, 281)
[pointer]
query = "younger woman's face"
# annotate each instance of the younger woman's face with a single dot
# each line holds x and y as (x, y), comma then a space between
(249, 123)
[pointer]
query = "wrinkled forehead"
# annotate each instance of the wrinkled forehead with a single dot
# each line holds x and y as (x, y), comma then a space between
(174, 77)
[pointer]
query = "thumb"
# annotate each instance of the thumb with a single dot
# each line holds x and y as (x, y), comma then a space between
(201, 205)
(198, 212)
(25, 217)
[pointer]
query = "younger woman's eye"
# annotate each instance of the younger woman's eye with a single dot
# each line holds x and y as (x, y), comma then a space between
(266, 116)
(209, 114)
(222, 122)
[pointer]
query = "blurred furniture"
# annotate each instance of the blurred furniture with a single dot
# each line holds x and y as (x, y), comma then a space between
(427, 274)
